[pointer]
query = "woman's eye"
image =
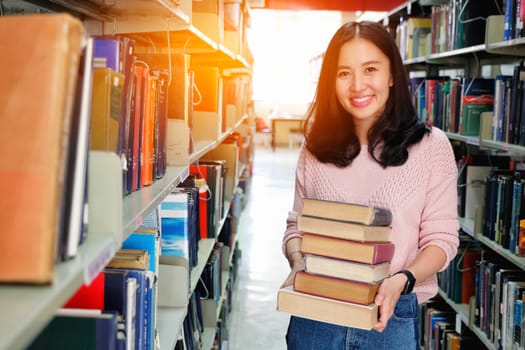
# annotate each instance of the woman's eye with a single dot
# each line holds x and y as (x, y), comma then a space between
(343, 74)
(370, 69)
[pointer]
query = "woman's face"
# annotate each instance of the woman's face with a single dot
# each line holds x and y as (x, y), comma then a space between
(363, 81)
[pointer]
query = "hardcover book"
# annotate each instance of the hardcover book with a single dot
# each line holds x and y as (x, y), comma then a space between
(368, 253)
(346, 269)
(343, 230)
(326, 309)
(36, 118)
(105, 109)
(335, 288)
(79, 329)
(362, 214)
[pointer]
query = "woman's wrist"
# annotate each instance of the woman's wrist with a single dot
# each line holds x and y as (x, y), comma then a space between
(294, 257)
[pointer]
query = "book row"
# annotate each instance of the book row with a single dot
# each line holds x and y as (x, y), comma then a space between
(100, 96)
(153, 269)
(454, 25)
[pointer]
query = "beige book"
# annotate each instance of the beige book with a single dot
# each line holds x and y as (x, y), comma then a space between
(344, 230)
(327, 310)
(346, 269)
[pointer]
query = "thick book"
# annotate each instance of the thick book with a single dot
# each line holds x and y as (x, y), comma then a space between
(39, 66)
(346, 269)
(363, 214)
(106, 109)
(343, 230)
(335, 288)
(326, 309)
(368, 253)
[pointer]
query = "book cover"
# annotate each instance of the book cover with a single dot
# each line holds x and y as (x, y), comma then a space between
(161, 123)
(369, 253)
(78, 329)
(36, 116)
(363, 214)
(478, 97)
(107, 52)
(327, 310)
(346, 269)
(88, 296)
(140, 77)
(120, 295)
(76, 201)
(148, 131)
(343, 230)
(148, 241)
(127, 53)
(174, 226)
(335, 288)
(105, 109)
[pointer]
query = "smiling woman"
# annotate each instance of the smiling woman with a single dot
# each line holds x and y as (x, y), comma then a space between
(364, 144)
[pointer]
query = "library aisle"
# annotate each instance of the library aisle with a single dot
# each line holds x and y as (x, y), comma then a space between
(254, 322)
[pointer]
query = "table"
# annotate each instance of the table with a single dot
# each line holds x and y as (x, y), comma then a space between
(279, 121)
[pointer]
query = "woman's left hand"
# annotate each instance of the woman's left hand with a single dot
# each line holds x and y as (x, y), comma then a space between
(387, 296)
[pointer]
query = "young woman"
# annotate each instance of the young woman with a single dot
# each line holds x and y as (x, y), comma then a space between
(365, 144)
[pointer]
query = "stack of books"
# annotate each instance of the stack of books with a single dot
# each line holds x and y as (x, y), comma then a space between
(347, 253)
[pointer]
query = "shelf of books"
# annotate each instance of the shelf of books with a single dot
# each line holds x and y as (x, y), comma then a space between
(27, 309)
(139, 204)
(463, 315)
(478, 66)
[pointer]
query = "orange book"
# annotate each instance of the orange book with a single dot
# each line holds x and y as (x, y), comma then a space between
(140, 73)
(39, 65)
(336, 288)
(368, 253)
(148, 131)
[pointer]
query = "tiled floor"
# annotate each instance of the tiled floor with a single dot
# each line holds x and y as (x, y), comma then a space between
(254, 323)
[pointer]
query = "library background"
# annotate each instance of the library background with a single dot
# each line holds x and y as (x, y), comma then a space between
(127, 121)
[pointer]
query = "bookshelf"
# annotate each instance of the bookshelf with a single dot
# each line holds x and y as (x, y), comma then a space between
(485, 59)
(162, 26)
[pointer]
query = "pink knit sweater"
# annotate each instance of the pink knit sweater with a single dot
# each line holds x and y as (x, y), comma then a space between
(421, 194)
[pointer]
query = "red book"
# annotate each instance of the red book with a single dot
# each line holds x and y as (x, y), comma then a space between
(89, 296)
(368, 253)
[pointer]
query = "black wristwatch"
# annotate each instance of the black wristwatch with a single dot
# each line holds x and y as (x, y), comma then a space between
(411, 281)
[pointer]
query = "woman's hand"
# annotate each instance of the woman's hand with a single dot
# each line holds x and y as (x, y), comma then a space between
(387, 296)
(297, 264)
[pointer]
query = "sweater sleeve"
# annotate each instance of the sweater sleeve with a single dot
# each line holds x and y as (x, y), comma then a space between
(439, 222)
(300, 192)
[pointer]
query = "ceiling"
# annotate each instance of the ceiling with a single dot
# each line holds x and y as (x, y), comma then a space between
(334, 5)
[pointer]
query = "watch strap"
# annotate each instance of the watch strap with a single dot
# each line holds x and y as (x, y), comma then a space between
(411, 281)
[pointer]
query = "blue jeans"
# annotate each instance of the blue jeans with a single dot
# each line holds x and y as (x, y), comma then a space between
(401, 332)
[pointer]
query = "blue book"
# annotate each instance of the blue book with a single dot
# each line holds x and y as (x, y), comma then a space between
(149, 241)
(174, 225)
(107, 50)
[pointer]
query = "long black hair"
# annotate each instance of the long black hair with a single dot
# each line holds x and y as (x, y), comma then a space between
(329, 128)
